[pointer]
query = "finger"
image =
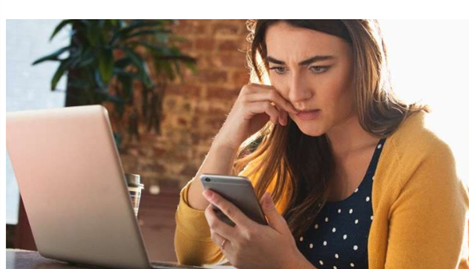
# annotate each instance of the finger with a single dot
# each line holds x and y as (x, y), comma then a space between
(230, 210)
(218, 240)
(271, 96)
(282, 114)
(283, 117)
(286, 118)
(276, 220)
(265, 107)
(260, 92)
(218, 226)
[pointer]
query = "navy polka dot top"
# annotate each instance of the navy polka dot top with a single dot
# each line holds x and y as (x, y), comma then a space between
(338, 238)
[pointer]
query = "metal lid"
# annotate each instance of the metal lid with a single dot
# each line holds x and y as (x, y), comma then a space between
(133, 180)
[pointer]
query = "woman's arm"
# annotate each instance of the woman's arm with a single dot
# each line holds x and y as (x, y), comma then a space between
(193, 244)
(219, 160)
(428, 224)
(252, 110)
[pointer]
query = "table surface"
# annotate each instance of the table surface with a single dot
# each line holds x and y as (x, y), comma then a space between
(25, 259)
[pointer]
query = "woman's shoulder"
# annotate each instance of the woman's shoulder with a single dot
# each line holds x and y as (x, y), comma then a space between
(416, 138)
(416, 155)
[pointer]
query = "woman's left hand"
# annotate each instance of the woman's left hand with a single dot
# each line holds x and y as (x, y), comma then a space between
(252, 245)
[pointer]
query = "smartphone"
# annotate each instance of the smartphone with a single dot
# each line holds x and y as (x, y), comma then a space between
(238, 191)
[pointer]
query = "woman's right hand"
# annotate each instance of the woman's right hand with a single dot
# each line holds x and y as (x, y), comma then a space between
(256, 104)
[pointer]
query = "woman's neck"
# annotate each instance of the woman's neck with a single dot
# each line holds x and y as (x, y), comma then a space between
(349, 137)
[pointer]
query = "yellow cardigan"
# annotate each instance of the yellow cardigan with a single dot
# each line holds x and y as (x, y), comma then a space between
(419, 208)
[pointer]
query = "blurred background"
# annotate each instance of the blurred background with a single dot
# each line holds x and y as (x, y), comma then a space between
(168, 86)
(182, 78)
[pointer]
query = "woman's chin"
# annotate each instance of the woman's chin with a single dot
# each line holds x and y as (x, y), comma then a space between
(311, 131)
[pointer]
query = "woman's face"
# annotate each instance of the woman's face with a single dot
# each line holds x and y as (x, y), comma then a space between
(312, 70)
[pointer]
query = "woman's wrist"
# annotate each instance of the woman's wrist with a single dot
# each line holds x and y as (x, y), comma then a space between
(227, 148)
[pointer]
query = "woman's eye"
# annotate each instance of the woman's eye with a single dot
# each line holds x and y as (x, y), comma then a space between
(278, 69)
(319, 69)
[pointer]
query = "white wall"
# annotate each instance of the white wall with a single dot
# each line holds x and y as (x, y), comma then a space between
(27, 86)
(430, 62)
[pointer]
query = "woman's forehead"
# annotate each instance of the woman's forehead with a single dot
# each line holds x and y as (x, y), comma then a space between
(289, 43)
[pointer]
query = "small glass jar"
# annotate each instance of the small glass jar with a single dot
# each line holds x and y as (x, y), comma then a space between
(135, 190)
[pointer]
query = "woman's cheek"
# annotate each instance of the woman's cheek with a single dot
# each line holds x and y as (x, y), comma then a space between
(278, 85)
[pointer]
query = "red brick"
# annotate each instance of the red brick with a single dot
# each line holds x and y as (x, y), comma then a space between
(229, 45)
(159, 151)
(236, 60)
(205, 138)
(240, 78)
(186, 89)
(195, 110)
(186, 45)
(118, 53)
(213, 76)
(189, 170)
(228, 27)
(219, 111)
(182, 121)
(153, 167)
(224, 93)
(215, 123)
(170, 103)
(190, 27)
(205, 44)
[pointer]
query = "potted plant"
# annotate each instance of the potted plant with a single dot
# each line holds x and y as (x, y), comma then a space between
(107, 58)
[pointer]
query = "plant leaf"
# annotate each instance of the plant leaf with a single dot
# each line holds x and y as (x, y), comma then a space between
(151, 47)
(192, 67)
(53, 56)
(148, 32)
(168, 70)
(178, 70)
(86, 59)
(105, 64)
(99, 80)
(59, 27)
(58, 74)
(135, 24)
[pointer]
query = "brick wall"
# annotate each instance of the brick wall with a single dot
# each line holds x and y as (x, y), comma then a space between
(195, 110)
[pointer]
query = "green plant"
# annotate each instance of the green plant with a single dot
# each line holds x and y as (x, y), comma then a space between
(107, 57)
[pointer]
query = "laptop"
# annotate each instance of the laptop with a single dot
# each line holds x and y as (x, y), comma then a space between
(73, 187)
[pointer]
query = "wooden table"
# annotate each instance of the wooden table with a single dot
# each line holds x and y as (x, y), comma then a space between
(26, 259)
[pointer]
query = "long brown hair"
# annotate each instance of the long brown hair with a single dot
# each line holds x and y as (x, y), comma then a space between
(300, 166)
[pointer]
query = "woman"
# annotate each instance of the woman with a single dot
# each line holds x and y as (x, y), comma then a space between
(357, 180)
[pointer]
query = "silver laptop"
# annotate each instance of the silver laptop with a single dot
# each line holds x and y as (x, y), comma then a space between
(73, 187)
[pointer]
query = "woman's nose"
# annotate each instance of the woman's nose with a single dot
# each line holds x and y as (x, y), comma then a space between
(299, 90)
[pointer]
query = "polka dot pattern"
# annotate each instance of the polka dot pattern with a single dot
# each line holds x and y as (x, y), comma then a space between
(338, 237)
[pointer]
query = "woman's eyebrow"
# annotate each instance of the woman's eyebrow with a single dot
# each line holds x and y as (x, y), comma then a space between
(304, 62)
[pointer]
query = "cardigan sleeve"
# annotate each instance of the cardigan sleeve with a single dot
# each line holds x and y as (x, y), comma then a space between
(427, 222)
(192, 241)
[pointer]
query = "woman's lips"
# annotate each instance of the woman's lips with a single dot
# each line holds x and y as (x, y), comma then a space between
(309, 115)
